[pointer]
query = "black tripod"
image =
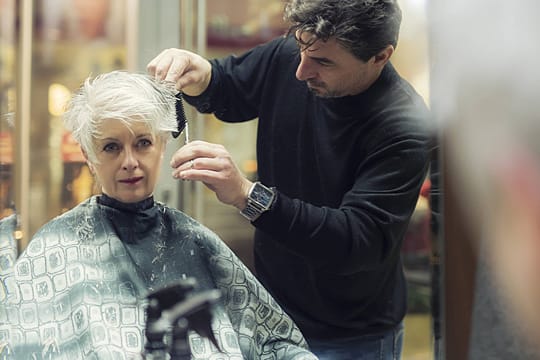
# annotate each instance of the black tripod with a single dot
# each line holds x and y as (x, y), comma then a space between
(173, 311)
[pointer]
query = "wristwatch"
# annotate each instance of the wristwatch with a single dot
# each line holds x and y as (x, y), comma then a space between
(260, 199)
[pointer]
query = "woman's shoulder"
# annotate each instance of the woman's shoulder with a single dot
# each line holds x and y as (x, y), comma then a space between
(73, 226)
(190, 228)
(67, 219)
(178, 217)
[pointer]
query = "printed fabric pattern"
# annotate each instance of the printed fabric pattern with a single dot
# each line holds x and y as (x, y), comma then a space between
(78, 290)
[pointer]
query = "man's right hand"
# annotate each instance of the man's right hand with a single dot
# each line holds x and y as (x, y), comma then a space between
(213, 165)
(189, 71)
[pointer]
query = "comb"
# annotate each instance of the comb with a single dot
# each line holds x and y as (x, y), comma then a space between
(181, 119)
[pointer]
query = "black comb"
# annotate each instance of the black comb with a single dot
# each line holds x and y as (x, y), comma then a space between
(181, 119)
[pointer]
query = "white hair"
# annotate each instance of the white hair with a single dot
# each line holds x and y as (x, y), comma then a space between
(124, 96)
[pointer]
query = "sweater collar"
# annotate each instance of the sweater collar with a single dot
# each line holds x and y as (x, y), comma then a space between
(134, 222)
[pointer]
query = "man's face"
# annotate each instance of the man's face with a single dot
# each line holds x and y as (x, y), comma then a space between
(129, 160)
(331, 71)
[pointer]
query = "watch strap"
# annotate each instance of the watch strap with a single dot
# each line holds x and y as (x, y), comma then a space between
(257, 204)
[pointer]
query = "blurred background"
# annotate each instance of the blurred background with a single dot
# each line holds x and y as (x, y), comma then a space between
(48, 47)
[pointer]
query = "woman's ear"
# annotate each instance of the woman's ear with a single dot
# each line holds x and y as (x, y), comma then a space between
(88, 162)
(163, 145)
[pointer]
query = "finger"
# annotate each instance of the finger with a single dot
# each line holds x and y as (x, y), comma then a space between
(169, 66)
(206, 169)
(216, 164)
(178, 171)
(180, 156)
(177, 68)
(202, 148)
(159, 66)
(197, 149)
(151, 66)
(200, 163)
(174, 72)
(208, 177)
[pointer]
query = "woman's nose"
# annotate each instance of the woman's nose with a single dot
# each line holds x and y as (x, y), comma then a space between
(130, 160)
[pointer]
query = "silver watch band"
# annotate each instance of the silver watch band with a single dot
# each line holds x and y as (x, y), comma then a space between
(260, 199)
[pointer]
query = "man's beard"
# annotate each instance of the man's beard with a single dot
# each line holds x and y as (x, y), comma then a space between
(319, 89)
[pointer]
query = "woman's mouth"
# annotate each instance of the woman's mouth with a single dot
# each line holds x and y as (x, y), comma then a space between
(132, 180)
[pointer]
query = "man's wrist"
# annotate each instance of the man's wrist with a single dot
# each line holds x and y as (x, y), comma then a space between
(259, 200)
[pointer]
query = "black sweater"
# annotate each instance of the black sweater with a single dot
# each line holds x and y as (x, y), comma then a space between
(348, 173)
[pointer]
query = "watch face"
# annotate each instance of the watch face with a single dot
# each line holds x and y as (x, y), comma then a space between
(262, 195)
(259, 200)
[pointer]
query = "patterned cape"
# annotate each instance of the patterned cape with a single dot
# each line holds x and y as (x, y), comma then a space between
(79, 289)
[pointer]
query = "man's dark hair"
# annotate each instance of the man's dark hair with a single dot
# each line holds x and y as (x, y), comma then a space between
(363, 27)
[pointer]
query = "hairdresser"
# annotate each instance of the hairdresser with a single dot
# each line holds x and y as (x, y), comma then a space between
(342, 152)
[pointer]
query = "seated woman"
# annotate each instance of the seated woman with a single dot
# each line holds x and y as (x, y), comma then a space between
(79, 289)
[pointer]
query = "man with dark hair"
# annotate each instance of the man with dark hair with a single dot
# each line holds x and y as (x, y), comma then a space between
(342, 153)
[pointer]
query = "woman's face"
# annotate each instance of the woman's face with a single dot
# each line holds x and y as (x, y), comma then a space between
(129, 160)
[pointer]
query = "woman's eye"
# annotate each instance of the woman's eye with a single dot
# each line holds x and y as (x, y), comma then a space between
(111, 147)
(144, 143)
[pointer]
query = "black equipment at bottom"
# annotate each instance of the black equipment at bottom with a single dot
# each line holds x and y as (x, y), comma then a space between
(172, 311)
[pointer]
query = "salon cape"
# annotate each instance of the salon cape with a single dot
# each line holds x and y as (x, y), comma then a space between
(78, 291)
